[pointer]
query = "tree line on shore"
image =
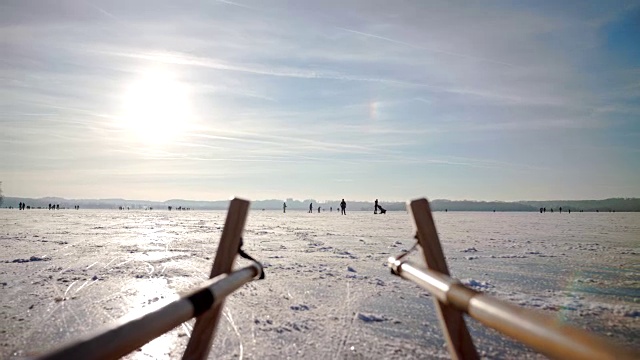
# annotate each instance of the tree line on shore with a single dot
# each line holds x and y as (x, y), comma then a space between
(613, 204)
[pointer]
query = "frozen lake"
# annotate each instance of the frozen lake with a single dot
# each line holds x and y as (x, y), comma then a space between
(66, 272)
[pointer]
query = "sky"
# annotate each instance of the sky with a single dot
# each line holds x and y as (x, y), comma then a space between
(157, 100)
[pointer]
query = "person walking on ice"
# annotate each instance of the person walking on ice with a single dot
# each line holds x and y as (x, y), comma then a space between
(284, 207)
(343, 206)
(311, 208)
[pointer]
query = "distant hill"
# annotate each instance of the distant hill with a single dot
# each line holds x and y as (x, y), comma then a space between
(614, 204)
(469, 205)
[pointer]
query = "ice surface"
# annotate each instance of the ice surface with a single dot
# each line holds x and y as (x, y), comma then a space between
(327, 293)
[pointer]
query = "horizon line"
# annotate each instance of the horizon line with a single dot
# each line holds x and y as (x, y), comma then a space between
(315, 200)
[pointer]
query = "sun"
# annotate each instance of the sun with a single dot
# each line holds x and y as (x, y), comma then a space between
(156, 107)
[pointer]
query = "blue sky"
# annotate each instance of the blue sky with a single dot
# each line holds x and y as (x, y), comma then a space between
(394, 100)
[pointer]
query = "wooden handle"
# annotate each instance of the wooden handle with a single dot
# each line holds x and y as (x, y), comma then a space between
(455, 329)
(204, 329)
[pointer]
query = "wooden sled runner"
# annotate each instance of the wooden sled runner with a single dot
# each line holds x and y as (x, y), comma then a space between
(204, 303)
(452, 299)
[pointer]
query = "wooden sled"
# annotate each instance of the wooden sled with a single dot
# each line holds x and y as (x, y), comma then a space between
(452, 299)
(204, 303)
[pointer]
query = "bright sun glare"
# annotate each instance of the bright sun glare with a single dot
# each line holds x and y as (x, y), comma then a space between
(156, 107)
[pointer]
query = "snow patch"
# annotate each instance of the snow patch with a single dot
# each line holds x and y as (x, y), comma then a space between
(33, 258)
(477, 284)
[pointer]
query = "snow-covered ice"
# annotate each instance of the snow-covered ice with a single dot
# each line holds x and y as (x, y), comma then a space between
(327, 293)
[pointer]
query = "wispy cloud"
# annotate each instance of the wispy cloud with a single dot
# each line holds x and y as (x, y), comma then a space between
(236, 4)
(449, 53)
(290, 72)
(103, 11)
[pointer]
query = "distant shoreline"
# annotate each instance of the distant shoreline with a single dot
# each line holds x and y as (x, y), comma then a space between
(605, 205)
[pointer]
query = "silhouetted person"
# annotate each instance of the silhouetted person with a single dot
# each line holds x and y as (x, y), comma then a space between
(540, 210)
(311, 208)
(343, 206)
(284, 207)
(375, 207)
(569, 211)
(319, 209)
(49, 206)
(57, 206)
(545, 209)
(552, 210)
(560, 209)
(330, 208)
(446, 210)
